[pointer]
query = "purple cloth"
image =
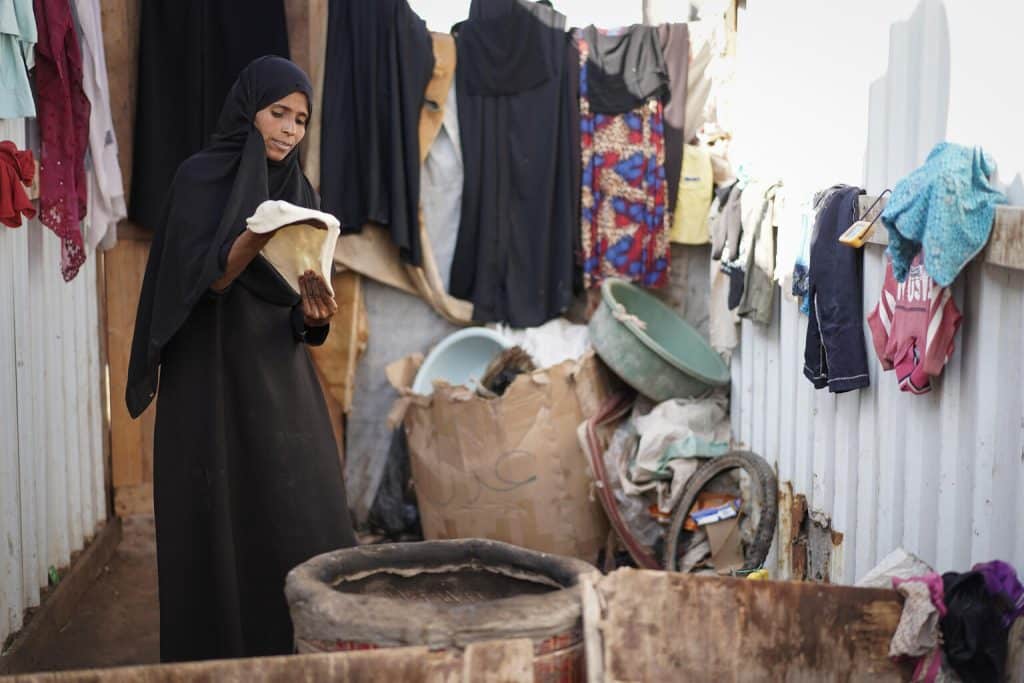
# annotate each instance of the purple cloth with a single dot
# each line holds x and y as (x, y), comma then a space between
(1001, 578)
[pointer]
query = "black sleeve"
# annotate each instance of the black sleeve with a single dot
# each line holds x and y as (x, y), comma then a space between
(222, 262)
(313, 336)
(316, 336)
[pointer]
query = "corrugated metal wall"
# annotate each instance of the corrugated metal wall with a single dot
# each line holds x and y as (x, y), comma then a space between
(52, 492)
(941, 475)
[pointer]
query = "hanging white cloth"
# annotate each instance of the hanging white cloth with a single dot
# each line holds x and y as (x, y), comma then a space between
(106, 187)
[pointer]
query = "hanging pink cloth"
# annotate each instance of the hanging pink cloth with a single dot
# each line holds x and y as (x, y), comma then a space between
(17, 168)
(63, 113)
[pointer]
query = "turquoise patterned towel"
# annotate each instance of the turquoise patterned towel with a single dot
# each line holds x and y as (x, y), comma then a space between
(946, 206)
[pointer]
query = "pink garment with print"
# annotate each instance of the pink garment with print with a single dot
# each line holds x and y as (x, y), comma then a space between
(913, 327)
(63, 113)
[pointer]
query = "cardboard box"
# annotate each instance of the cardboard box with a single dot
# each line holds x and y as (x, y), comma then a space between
(510, 468)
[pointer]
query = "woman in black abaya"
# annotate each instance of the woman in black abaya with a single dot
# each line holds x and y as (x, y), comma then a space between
(247, 482)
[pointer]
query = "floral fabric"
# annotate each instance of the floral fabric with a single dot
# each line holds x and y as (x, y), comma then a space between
(624, 218)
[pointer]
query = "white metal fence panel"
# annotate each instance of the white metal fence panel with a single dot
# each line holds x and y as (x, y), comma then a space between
(52, 492)
(940, 474)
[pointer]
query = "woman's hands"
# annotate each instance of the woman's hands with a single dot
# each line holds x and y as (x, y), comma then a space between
(318, 306)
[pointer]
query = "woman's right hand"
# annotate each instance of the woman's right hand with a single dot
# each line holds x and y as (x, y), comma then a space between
(318, 306)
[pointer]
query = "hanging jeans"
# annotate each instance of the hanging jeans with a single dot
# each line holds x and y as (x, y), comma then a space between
(836, 353)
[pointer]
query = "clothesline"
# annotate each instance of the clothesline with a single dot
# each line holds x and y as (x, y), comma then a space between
(1005, 247)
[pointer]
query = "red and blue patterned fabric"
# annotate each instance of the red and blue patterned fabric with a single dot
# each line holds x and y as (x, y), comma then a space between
(624, 218)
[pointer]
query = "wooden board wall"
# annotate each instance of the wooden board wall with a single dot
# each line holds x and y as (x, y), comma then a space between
(498, 661)
(658, 626)
(132, 440)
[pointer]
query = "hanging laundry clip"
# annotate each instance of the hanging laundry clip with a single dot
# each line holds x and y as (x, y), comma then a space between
(861, 231)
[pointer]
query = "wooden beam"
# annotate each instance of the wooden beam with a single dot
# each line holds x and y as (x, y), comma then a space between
(30, 646)
(658, 626)
(133, 499)
(503, 661)
(120, 19)
(511, 663)
(338, 357)
(131, 440)
(104, 378)
(1005, 246)
(732, 14)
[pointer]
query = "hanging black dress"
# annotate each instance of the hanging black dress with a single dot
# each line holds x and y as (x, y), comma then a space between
(190, 52)
(516, 82)
(379, 60)
(247, 482)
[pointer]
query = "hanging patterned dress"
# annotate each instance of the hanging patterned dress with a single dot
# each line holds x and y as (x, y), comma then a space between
(63, 113)
(624, 218)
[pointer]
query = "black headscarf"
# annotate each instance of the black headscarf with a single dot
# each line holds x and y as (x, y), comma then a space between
(213, 193)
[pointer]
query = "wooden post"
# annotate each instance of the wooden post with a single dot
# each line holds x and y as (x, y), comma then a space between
(731, 26)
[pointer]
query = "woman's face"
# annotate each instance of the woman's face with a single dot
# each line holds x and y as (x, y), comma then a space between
(283, 125)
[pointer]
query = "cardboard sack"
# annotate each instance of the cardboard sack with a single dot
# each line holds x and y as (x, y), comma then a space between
(508, 468)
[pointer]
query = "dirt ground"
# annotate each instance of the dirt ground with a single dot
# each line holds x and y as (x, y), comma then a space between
(117, 622)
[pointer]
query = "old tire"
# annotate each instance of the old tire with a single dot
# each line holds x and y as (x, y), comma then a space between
(763, 482)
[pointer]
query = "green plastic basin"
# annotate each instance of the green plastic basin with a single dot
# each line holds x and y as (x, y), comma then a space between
(662, 358)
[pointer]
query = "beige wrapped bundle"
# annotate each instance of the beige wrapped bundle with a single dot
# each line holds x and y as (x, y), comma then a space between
(304, 240)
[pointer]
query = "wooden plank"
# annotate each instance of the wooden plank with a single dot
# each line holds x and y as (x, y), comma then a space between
(102, 467)
(29, 649)
(1005, 247)
(338, 356)
(592, 630)
(127, 230)
(131, 440)
(732, 14)
(120, 20)
(509, 661)
(297, 18)
(128, 446)
(317, 36)
(99, 424)
(407, 664)
(134, 499)
(668, 627)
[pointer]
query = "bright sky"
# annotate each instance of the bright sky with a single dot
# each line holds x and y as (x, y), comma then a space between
(440, 15)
